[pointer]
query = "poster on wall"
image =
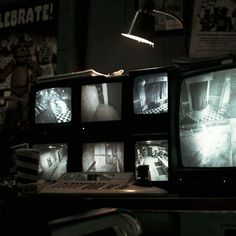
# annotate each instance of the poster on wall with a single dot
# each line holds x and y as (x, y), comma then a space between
(28, 51)
(168, 14)
(213, 30)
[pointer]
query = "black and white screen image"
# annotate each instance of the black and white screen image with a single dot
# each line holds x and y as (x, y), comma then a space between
(53, 105)
(207, 120)
(153, 153)
(53, 160)
(103, 157)
(150, 94)
(101, 102)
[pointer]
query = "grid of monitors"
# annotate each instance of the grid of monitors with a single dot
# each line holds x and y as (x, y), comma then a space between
(105, 114)
(103, 127)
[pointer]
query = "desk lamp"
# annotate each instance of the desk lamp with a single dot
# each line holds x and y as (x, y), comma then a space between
(143, 24)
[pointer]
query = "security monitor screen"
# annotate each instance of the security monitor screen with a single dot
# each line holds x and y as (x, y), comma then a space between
(53, 160)
(101, 102)
(53, 105)
(103, 157)
(153, 153)
(150, 94)
(207, 119)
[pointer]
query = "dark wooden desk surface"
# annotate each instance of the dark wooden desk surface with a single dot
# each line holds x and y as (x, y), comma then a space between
(159, 215)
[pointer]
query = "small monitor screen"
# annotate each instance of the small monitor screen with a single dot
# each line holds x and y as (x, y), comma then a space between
(207, 119)
(153, 153)
(150, 94)
(103, 157)
(53, 105)
(53, 160)
(101, 102)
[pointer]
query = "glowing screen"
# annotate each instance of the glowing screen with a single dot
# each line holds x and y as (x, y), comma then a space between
(153, 153)
(53, 160)
(207, 120)
(101, 102)
(150, 94)
(103, 157)
(53, 105)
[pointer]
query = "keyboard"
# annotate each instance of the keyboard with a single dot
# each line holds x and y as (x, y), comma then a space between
(99, 184)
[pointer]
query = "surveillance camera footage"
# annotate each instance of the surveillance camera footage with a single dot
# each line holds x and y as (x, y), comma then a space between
(103, 157)
(53, 160)
(150, 94)
(207, 121)
(153, 153)
(101, 102)
(53, 105)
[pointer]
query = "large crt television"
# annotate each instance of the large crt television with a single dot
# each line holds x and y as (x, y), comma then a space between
(203, 128)
(149, 99)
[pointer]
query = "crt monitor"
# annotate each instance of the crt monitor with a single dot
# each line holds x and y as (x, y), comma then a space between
(150, 93)
(152, 150)
(42, 161)
(203, 137)
(53, 160)
(51, 105)
(149, 99)
(101, 101)
(102, 105)
(103, 156)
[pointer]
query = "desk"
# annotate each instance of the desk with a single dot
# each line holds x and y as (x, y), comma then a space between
(170, 215)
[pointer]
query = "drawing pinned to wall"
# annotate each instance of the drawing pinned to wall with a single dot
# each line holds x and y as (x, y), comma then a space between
(213, 30)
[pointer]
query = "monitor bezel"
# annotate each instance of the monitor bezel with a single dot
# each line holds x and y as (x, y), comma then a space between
(128, 159)
(196, 180)
(148, 123)
(155, 137)
(51, 129)
(107, 127)
(56, 140)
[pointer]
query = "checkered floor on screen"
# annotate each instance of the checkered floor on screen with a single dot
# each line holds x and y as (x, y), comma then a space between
(209, 114)
(162, 109)
(63, 117)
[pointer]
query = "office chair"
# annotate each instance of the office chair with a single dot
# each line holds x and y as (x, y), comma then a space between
(102, 221)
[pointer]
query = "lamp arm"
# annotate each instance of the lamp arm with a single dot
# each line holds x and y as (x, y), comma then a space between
(170, 15)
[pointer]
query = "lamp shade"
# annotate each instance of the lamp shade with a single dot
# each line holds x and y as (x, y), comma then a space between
(142, 28)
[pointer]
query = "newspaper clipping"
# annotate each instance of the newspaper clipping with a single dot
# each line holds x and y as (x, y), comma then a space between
(213, 28)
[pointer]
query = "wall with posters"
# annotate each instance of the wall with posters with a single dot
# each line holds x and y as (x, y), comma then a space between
(28, 51)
